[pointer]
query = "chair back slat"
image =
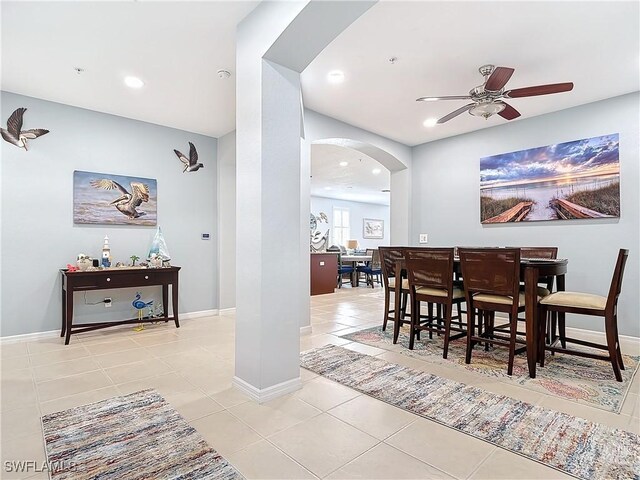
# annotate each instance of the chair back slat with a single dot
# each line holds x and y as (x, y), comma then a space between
(389, 256)
(495, 271)
(375, 259)
(539, 252)
(616, 281)
(430, 267)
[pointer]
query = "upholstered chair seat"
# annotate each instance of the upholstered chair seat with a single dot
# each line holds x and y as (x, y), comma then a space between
(437, 292)
(405, 283)
(575, 299)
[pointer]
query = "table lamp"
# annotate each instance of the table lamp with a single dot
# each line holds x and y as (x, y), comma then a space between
(352, 244)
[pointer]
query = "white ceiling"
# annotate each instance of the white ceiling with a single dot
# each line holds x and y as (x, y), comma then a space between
(175, 47)
(355, 182)
(440, 45)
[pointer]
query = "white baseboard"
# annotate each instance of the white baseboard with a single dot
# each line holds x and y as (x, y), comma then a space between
(202, 313)
(227, 311)
(306, 330)
(269, 393)
(628, 345)
(29, 337)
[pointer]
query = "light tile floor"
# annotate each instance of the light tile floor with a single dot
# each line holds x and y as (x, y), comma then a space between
(324, 430)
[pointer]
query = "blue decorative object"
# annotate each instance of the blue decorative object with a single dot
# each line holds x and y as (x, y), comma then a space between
(140, 305)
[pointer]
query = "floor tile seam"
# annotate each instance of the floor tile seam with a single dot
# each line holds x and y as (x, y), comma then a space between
(279, 431)
(137, 379)
(353, 459)
(290, 457)
(359, 429)
(416, 458)
(486, 459)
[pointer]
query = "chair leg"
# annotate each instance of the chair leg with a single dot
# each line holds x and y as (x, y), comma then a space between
(542, 323)
(412, 329)
(513, 322)
(611, 343)
(447, 329)
(387, 294)
(561, 330)
(471, 326)
(620, 362)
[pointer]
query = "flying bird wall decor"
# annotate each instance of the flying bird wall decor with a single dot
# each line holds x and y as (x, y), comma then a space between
(14, 133)
(190, 164)
(100, 198)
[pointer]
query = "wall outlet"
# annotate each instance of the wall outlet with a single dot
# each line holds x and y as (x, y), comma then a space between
(423, 238)
(107, 302)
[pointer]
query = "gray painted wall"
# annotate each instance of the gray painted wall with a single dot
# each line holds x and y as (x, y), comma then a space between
(446, 202)
(227, 220)
(38, 234)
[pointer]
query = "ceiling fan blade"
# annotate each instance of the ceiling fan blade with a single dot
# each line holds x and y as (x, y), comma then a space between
(509, 113)
(455, 113)
(451, 97)
(498, 78)
(539, 90)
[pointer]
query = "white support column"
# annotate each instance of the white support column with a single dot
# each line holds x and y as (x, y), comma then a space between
(274, 44)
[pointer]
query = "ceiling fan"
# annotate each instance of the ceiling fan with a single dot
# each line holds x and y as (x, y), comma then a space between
(488, 98)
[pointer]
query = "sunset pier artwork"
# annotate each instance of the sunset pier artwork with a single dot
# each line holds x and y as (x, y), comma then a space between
(572, 180)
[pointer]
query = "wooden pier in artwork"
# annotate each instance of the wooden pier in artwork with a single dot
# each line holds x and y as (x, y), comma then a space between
(567, 210)
(514, 214)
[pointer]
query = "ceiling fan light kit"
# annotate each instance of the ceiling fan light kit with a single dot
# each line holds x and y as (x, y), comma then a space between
(487, 99)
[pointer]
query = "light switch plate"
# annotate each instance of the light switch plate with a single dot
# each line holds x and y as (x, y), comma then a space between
(423, 238)
(206, 236)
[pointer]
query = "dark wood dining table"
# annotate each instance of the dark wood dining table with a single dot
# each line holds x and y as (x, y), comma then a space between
(531, 270)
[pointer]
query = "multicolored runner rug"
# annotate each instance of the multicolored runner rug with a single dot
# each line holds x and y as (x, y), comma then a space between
(573, 445)
(136, 436)
(582, 380)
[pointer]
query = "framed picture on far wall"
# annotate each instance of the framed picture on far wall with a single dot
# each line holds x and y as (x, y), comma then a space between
(372, 228)
(566, 181)
(108, 199)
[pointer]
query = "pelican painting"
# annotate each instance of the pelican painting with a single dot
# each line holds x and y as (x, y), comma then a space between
(14, 133)
(190, 164)
(114, 199)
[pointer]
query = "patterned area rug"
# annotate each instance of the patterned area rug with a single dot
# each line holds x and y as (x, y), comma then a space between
(582, 380)
(136, 436)
(573, 445)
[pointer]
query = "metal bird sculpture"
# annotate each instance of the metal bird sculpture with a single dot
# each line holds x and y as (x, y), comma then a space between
(190, 164)
(14, 133)
(127, 202)
(140, 306)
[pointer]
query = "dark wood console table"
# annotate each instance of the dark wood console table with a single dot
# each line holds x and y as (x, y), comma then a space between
(116, 278)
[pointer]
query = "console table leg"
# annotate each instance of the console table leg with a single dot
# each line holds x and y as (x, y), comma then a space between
(64, 313)
(165, 301)
(174, 295)
(69, 315)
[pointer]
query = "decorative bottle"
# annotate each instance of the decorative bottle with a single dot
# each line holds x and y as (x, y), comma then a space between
(106, 253)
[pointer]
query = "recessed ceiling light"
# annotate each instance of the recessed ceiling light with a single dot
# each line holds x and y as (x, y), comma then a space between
(376, 171)
(133, 82)
(335, 76)
(343, 164)
(430, 122)
(327, 188)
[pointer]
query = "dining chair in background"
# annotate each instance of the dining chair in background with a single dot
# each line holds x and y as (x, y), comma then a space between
(343, 270)
(430, 275)
(588, 304)
(492, 284)
(393, 281)
(372, 268)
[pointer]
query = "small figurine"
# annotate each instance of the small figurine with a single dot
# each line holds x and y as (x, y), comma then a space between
(140, 306)
(71, 268)
(83, 262)
(134, 258)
